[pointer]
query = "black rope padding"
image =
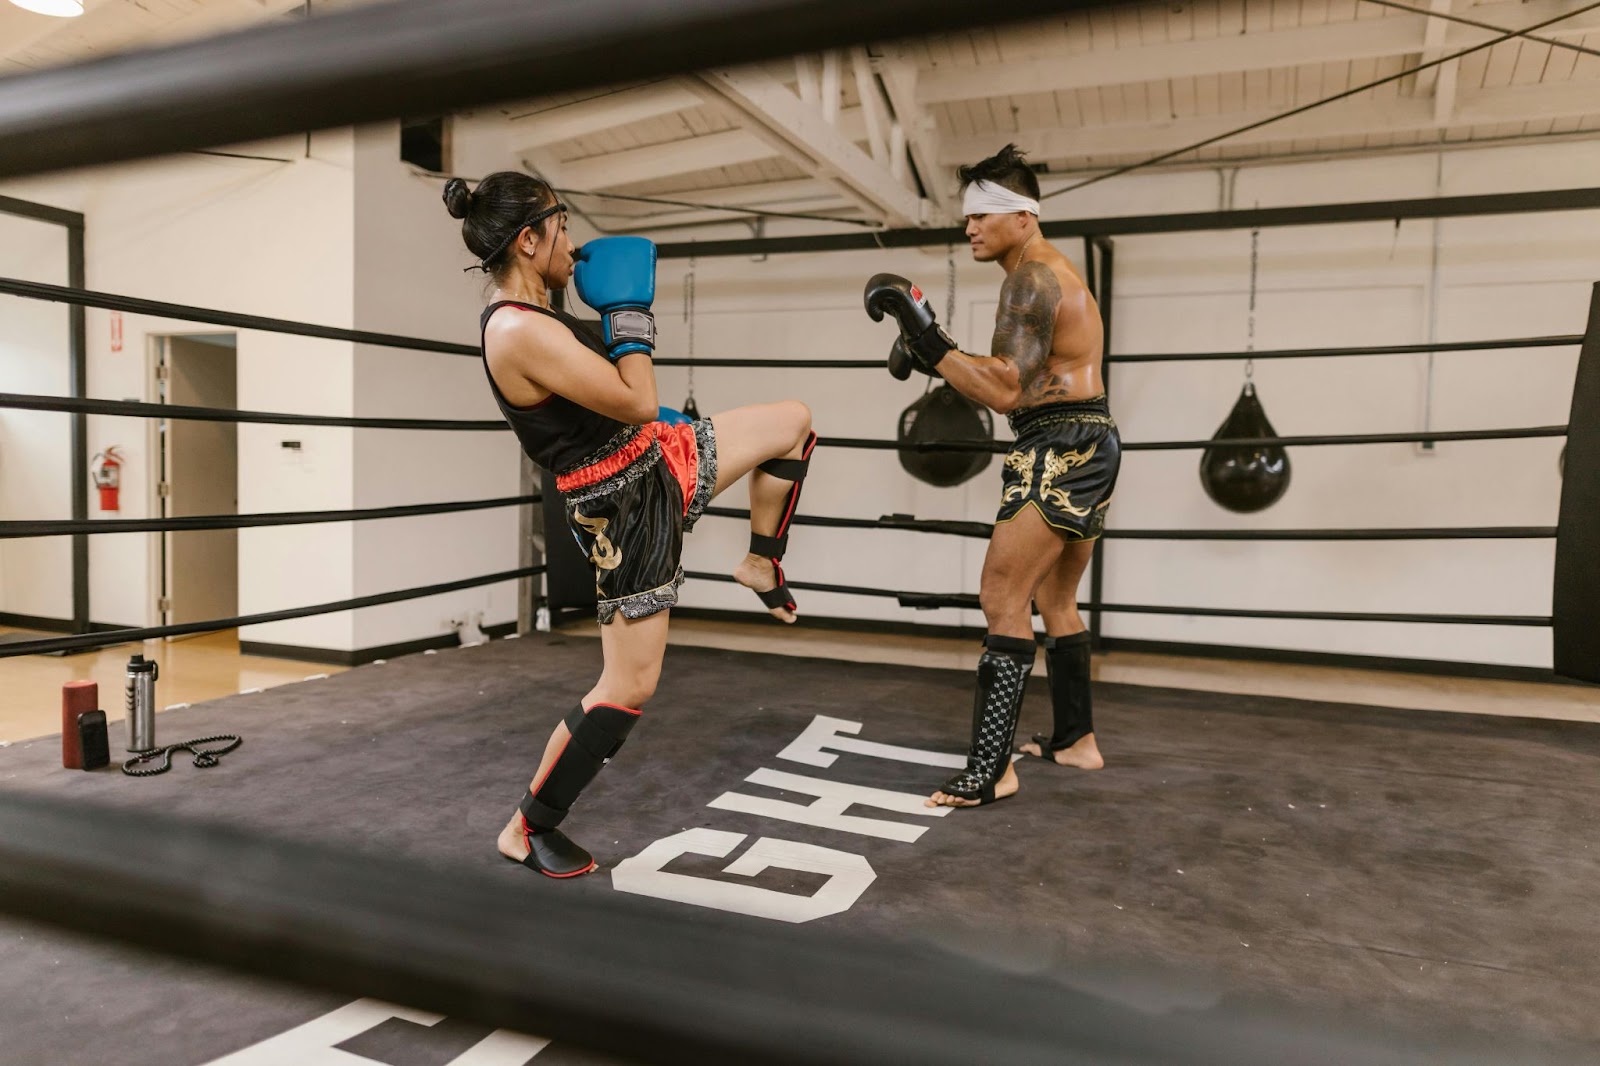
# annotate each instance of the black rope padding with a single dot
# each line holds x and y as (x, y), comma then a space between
(124, 636)
(1517, 433)
(931, 600)
(999, 446)
(796, 364)
(983, 530)
(65, 294)
(53, 527)
(1554, 341)
(113, 302)
(211, 414)
(1436, 533)
(136, 409)
(804, 586)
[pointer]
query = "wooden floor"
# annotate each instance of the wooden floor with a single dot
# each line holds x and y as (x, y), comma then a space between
(191, 670)
(208, 667)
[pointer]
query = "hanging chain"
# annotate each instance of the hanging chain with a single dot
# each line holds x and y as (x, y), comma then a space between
(949, 303)
(1255, 269)
(950, 288)
(688, 318)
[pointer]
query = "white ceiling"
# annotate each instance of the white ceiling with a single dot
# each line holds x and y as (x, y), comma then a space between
(848, 133)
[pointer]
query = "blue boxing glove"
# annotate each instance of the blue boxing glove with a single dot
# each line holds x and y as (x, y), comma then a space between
(672, 417)
(617, 277)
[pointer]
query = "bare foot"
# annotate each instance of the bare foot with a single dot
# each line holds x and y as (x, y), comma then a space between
(759, 575)
(512, 843)
(1006, 786)
(1084, 754)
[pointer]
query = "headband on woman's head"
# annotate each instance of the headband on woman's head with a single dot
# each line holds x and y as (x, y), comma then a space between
(532, 220)
(986, 198)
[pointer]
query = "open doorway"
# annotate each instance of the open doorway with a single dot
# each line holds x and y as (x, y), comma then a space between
(197, 570)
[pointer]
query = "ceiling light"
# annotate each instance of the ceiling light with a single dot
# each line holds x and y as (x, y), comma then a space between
(65, 9)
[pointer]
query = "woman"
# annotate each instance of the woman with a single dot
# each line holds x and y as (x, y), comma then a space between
(633, 485)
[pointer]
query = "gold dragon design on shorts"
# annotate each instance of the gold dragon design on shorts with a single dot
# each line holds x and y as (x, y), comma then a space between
(1022, 463)
(1055, 466)
(604, 555)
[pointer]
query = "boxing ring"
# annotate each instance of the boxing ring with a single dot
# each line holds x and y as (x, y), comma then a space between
(1267, 861)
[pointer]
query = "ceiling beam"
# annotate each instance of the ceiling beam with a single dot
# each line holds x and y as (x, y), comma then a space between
(1432, 48)
(875, 116)
(1439, 81)
(819, 145)
(1270, 49)
(833, 206)
(217, 17)
(725, 149)
(917, 125)
(567, 121)
(830, 87)
(769, 193)
(1350, 119)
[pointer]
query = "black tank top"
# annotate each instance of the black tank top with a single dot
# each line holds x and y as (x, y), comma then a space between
(556, 433)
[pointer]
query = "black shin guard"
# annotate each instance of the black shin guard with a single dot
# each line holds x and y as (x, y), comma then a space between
(596, 736)
(1002, 678)
(775, 546)
(1067, 661)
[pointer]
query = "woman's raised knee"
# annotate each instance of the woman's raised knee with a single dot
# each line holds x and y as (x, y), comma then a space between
(799, 416)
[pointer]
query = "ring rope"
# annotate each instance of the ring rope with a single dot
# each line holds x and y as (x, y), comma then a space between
(982, 530)
(125, 636)
(212, 414)
(185, 312)
(137, 409)
(931, 600)
(52, 527)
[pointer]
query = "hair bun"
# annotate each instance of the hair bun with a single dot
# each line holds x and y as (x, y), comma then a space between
(457, 198)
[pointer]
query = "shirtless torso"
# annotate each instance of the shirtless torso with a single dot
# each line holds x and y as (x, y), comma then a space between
(1049, 325)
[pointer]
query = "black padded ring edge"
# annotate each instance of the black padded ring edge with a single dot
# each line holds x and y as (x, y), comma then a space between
(1576, 600)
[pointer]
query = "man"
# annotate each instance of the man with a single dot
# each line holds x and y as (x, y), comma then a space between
(1045, 375)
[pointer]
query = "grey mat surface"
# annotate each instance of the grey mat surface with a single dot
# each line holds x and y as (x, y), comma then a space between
(1408, 867)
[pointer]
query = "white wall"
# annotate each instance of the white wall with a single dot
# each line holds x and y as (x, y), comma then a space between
(347, 236)
(35, 446)
(269, 238)
(350, 237)
(408, 279)
(1319, 286)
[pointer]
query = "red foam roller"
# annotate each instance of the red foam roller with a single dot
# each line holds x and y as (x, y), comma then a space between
(76, 697)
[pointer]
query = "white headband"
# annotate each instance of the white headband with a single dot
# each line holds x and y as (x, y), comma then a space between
(987, 198)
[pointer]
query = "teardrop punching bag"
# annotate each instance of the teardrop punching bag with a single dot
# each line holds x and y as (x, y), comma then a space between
(944, 415)
(1246, 478)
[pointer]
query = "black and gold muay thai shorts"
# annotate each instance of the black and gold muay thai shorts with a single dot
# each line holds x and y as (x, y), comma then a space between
(1064, 463)
(630, 504)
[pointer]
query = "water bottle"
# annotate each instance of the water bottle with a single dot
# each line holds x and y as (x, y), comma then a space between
(141, 704)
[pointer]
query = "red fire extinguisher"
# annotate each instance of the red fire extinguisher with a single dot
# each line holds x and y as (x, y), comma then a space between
(106, 471)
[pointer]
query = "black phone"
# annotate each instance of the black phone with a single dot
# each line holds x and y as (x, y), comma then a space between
(92, 735)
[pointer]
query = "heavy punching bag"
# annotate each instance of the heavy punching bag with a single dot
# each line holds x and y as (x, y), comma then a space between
(944, 415)
(1245, 478)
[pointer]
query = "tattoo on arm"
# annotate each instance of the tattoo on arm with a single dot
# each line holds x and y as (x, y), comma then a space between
(1025, 326)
